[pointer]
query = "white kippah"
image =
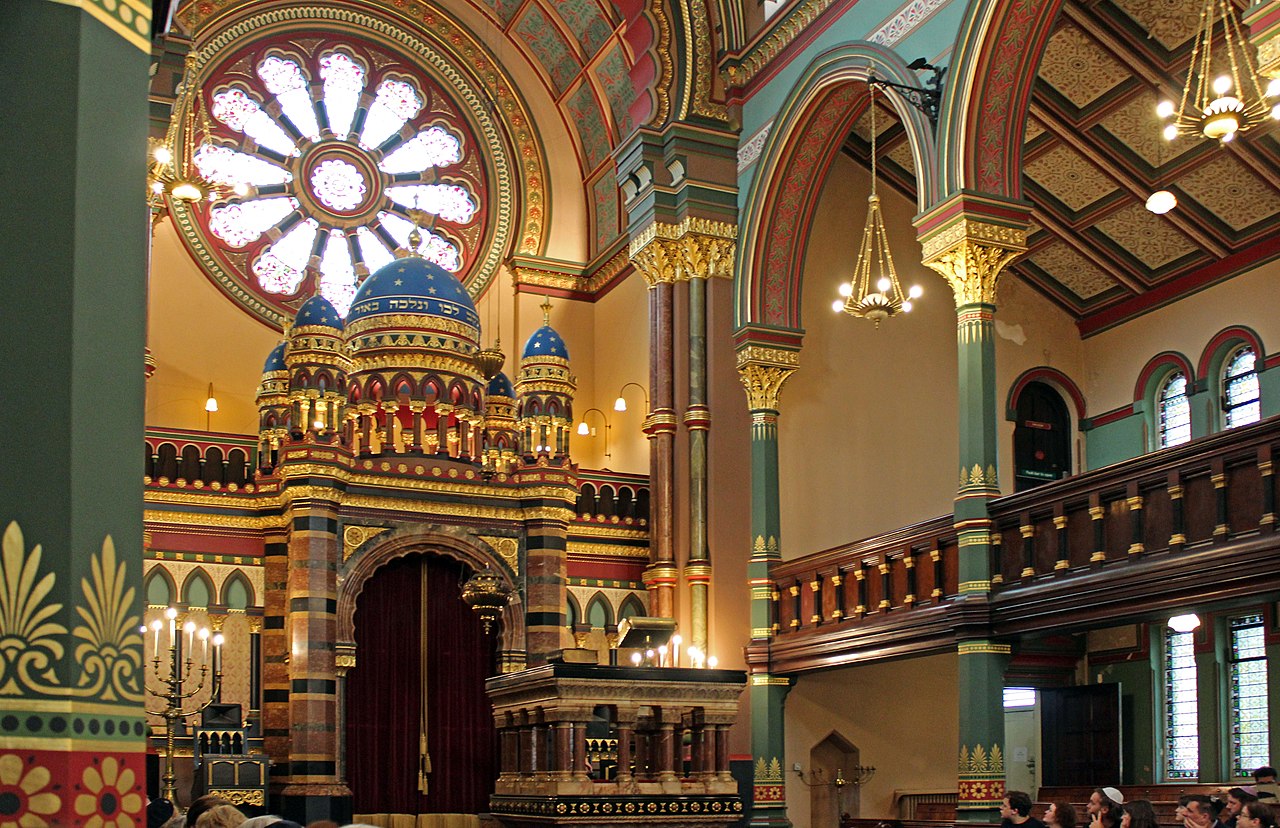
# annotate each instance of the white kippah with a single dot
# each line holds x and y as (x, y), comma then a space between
(1114, 795)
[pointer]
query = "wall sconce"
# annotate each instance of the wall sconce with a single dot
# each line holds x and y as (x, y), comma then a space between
(210, 406)
(586, 431)
(620, 404)
(858, 775)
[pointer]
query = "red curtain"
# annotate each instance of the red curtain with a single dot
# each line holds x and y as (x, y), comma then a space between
(384, 694)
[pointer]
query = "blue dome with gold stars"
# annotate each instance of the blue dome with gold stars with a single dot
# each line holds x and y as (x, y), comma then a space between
(415, 286)
(545, 342)
(318, 311)
(500, 386)
(275, 360)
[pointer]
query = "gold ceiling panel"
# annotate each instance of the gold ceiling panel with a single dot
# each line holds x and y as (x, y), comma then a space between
(1226, 188)
(1171, 22)
(1069, 177)
(1079, 68)
(1152, 239)
(1137, 126)
(884, 119)
(1034, 130)
(901, 155)
(1073, 271)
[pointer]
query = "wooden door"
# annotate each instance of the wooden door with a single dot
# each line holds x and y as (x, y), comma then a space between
(1080, 735)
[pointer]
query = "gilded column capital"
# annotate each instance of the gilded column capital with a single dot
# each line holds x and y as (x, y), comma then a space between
(971, 255)
(763, 372)
(695, 248)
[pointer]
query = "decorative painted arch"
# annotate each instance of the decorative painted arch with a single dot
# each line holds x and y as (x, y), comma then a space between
(1049, 376)
(227, 586)
(630, 606)
(1156, 368)
(601, 601)
(983, 114)
(573, 610)
(160, 573)
(448, 541)
(1224, 341)
(193, 577)
(801, 147)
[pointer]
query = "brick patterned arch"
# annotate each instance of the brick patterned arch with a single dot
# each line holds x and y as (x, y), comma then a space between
(988, 94)
(1051, 376)
(440, 540)
(804, 141)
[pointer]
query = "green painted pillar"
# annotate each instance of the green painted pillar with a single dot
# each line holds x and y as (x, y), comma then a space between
(697, 419)
(970, 244)
(73, 238)
(763, 370)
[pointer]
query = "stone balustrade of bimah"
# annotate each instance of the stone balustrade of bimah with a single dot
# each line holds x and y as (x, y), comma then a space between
(670, 726)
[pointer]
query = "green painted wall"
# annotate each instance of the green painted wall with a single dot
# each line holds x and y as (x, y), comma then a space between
(1114, 442)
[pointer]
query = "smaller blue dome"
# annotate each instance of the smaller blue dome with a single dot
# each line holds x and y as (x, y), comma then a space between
(275, 360)
(318, 311)
(500, 386)
(545, 342)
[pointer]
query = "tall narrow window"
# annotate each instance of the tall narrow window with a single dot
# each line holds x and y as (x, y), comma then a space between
(1182, 738)
(1174, 411)
(1248, 677)
(1240, 397)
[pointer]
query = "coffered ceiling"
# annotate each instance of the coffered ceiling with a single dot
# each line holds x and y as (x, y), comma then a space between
(1094, 153)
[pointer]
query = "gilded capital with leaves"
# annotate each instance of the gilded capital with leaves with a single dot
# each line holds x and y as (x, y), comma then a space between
(971, 256)
(763, 372)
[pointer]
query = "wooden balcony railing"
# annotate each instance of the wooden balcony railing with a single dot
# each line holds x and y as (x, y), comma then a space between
(1164, 521)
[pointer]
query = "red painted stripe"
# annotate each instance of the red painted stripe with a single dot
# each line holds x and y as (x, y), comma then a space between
(1112, 416)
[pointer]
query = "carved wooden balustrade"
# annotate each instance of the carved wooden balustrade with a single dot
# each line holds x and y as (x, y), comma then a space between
(544, 715)
(1189, 525)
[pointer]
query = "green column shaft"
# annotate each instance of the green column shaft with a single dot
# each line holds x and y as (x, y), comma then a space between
(981, 762)
(767, 693)
(73, 231)
(698, 421)
(982, 663)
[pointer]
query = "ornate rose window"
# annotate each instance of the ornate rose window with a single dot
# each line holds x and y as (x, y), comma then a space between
(334, 142)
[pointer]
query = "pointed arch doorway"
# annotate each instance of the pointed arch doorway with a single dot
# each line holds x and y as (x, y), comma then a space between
(410, 623)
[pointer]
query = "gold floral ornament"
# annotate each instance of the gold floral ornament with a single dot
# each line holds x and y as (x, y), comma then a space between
(110, 648)
(109, 799)
(29, 645)
(25, 800)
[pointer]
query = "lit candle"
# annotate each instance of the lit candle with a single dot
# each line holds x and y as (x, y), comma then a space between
(172, 615)
(635, 659)
(155, 628)
(217, 653)
(662, 656)
(190, 629)
(675, 650)
(712, 661)
(204, 644)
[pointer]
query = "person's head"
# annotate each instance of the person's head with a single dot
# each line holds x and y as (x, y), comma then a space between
(159, 811)
(1106, 801)
(1256, 815)
(1061, 815)
(1237, 798)
(1016, 803)
(221, 816)
(1138, 814)
(1265, 774)
(200, 805)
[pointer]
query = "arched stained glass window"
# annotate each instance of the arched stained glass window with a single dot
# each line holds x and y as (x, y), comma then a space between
(1241, 401)
(1174, 411)
(333, 142)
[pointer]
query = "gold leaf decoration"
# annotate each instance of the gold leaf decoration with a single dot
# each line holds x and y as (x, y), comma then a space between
(110, 650)
(29, 646)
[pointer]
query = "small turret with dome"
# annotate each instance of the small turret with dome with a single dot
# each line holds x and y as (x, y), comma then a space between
(501, 428)
(545, 389)
(317, 367)
(412, 335)
(274, 409)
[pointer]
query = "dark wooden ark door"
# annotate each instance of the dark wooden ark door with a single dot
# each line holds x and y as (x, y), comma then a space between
(384, 693)
(1080, 735)
(1041, 438)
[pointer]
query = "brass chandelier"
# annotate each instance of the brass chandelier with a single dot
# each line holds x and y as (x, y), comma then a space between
(171, 168)
(1233, 101)
(883, 298)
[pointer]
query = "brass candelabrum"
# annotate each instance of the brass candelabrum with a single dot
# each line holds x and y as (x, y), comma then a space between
(176, 684)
